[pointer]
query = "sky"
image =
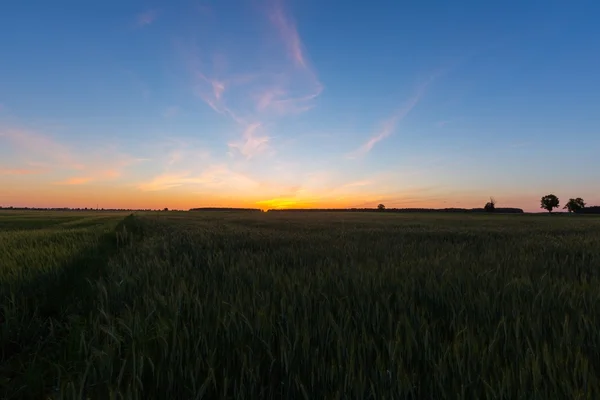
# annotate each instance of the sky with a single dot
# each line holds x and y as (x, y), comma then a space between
(298, 103)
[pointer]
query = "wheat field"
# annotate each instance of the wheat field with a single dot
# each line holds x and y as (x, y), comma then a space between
(233, 305)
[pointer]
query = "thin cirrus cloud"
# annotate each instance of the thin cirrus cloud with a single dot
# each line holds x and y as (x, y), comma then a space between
(75, 181)
(289, 33)
(166, 181)
(251, 144)
(40, 153)
(389, 126)
(146, 18)
(20, 171)
(278, 97)
(280, 82)
(99, 174)
(39, 148)
(211, 177)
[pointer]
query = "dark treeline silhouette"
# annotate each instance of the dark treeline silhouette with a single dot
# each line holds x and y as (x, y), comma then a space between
(380, 209)
(226, 209)
(589, 210)
(73, 209)
(501, 210)
(402, 210)
(574, 205)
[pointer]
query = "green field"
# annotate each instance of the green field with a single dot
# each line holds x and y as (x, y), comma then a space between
(299, 306)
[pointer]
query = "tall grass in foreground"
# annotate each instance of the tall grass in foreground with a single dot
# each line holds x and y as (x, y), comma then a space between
(45, 278)
(332, 306)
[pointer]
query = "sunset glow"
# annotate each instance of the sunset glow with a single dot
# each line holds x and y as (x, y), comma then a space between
(288, 104)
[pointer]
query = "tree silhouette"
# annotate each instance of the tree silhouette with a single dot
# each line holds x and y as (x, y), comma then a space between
(574, 205)
(490, 206)
(380, 207)
(548, 202)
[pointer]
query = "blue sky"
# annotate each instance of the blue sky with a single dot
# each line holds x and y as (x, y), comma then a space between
(283, 103)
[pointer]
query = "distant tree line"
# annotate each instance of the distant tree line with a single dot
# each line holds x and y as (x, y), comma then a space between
(548, 202)
(589, 210)
(76, 209)
(574, 205)
(400, 210)
(226, 209)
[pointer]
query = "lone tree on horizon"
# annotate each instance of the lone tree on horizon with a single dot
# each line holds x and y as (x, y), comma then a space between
(380, 207)
(548, 202)
(490, 206)
(574, 205)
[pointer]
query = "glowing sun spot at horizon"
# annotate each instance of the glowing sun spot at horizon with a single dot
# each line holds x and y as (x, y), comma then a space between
(280, 203)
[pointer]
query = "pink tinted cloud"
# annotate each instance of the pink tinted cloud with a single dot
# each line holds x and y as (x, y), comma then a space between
(279, 84)
(146, 18)
(212, 177)
(78, 180)
(266, 98)
(211, 91)
(288, 33)
(20, 171)
(166, 181)
(278, 99)
(41, 147)
(251, 144)
(45, 154)
(95, 175)
(289, 89)
(218, 89)
(110, 174)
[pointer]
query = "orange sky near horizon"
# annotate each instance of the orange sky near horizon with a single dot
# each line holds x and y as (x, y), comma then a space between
(81, 194)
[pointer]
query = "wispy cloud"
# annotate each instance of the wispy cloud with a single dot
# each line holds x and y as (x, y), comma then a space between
(292, 98)
(166, 181)
(20, 171)
(386, 130)
(212, 177)
(78, 180)
(279, 83)
(40, 148)
(174, 157)
(278, 100)
(289, 34)
(146, 18)
(389, 126)
(45, 154)
(111, 173)
(172, 153)
(212, 90)
(95, 175)
(251, 143)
